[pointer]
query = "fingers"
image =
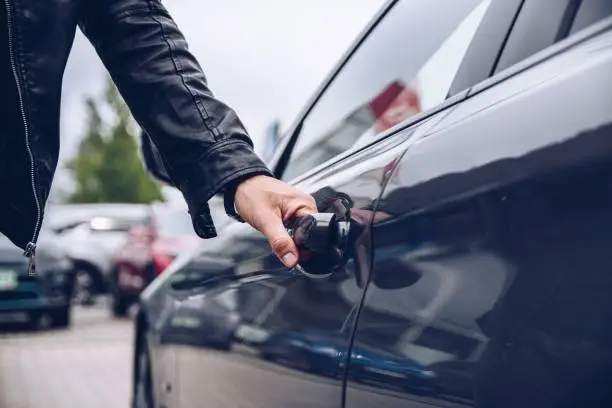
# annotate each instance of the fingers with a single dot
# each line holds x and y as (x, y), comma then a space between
(299, 208)
(283, 246)
(275, 232)
(266, 203)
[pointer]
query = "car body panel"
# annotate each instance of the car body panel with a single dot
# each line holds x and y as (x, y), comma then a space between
(502, 213)
(48, 290)
(81, 243)
(95, 248)
(239, 305)
(473, 212)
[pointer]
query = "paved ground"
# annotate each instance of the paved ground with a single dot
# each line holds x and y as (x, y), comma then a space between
(86, 366)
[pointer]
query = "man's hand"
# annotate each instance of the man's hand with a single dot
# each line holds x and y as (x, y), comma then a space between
(266, 203)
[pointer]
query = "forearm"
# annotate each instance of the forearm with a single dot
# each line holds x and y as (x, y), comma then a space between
(202, 142)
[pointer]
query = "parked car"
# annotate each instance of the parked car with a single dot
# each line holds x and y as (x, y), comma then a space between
(42, 298)
(150, 247)
(463, 148)
(91, 234)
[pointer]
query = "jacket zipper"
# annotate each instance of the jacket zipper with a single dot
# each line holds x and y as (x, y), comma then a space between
(30, 249)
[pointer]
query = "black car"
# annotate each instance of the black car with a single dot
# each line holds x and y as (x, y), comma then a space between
(42, 297)
(461, 158)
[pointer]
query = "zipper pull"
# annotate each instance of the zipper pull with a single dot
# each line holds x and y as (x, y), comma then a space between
(30, 253)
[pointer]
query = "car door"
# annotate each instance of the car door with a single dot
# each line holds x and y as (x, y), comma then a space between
(491, 275)
(250, 332)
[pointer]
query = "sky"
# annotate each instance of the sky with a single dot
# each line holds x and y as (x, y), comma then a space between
(264, 58)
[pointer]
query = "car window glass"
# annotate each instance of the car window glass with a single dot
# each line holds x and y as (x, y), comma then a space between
(405, 66)
(536, 28)
(590, 12)
(542, 24)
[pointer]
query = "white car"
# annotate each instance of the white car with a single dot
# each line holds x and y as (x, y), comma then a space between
(90, 234)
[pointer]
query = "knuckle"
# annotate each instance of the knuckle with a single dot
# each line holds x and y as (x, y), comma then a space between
(281, 245)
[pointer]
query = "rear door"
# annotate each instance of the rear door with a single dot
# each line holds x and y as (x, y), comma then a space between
(491, 277)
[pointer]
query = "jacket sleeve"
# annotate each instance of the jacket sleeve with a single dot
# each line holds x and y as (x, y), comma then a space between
(200, 140)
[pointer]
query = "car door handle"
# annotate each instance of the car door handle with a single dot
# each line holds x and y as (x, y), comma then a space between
(325, 238)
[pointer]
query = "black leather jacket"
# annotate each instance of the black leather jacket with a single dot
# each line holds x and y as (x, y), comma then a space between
(203, 146)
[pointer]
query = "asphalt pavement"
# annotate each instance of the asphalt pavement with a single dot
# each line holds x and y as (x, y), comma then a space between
(85, 366)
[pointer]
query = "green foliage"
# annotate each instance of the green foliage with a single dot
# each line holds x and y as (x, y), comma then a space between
(107, 167)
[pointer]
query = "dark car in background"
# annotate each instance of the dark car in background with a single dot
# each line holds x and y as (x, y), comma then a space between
(464, 151)
(41, 298)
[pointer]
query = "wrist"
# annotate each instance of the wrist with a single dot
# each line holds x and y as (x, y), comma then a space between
(229, 201)
(229, 195)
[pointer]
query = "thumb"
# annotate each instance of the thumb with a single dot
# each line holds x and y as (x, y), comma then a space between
(278, 238)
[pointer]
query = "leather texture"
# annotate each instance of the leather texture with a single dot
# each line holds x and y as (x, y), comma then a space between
(191, 140)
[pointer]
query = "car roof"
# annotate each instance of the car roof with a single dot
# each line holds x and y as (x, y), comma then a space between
(67, 213)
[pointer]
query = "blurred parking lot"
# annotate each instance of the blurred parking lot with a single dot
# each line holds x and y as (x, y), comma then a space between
(87, 365)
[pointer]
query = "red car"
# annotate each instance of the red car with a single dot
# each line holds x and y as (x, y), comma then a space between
(166, 233)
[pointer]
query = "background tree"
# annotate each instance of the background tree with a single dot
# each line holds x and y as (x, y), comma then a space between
(108, 167)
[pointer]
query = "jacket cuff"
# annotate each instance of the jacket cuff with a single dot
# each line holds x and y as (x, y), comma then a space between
(224, 164)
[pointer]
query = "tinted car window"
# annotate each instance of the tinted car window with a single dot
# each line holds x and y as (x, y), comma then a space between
(590, 12)
(405, 66)
(537, 27)
(542, 23)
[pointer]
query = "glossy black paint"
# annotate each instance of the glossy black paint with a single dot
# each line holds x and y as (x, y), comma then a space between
(235, 310)
(501, 215)
(481, 276)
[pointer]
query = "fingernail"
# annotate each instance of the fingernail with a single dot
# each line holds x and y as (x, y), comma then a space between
(289, 259)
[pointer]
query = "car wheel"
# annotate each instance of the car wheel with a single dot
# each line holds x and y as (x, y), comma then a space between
(61, 318)
(83, 288)
(143, 390)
